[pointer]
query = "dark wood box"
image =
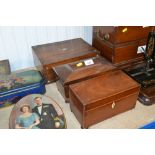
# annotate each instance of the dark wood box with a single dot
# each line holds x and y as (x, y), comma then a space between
(102, 97)
(47, 56)
(147, 93)
(120, 44)
(72, 73)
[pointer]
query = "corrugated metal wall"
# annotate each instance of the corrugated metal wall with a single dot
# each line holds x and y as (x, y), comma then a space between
(16, 42)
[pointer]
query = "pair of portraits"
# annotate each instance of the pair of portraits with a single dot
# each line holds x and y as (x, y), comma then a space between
(37, 112)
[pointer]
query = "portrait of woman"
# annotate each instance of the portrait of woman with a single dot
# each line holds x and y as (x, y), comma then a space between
(27, 120)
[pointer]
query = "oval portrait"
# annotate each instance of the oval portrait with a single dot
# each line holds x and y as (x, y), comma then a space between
(37, 112)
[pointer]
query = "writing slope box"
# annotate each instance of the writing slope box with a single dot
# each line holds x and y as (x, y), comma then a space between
(18, 85)
(102, 97)
(50, 55)
(79, 71)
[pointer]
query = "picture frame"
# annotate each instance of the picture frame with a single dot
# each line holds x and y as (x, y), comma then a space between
(29, 101)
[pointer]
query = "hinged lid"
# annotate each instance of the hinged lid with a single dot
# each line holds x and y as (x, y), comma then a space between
(106, 88)
(77, 71)
(62, 51)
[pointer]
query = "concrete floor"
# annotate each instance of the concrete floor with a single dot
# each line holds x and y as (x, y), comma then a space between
(132, 119)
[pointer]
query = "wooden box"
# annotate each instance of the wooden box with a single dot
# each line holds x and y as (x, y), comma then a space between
(102, 97)
(120, 44)
(77, 71)
(50, 55)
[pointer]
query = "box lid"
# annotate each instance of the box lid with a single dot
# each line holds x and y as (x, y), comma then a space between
(61, 51)
(109, 87)
(122, 34)
(80, 70)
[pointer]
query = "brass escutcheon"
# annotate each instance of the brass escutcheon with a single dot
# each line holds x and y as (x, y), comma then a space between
(125, 30)
(113, 105)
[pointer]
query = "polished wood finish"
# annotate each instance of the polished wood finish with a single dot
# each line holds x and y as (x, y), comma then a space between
(71, 73)
(47, 56)
(102, 97)
(120, 44)
(122, 34)
(118, 54)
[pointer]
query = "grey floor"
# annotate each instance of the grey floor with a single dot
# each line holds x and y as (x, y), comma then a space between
(132, 119)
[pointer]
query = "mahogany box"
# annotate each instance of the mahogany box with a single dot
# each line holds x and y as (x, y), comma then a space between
(47, 56)
(119, 44)
(102, 97)
(79, 71)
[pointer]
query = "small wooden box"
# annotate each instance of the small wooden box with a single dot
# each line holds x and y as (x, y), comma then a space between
(120, 44)
(77, 71)
(102, 97)
(50, 55)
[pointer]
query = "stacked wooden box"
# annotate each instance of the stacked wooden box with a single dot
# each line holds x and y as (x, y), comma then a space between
(94, 88)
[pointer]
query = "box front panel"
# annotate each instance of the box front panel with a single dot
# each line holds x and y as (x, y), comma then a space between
(127, 52)
(101, 113)
(119, 53)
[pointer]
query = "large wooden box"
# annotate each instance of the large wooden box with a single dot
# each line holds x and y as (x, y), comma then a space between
(50, 55)
(77, 71)
(102, 97)
(120, 44)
